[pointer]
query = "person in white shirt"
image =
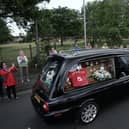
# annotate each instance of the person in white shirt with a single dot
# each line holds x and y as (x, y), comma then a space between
(23, 66)
(52, 51)
(105, 45)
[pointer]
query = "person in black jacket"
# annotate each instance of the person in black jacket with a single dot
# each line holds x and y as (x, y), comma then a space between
(1, 84)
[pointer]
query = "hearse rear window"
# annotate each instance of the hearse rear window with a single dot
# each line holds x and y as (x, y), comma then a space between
(85, 73)
(50, 72)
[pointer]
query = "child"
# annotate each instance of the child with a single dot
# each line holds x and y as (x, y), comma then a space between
(10, 81)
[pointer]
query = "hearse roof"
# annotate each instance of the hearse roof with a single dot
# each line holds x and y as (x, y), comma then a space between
(91, 52)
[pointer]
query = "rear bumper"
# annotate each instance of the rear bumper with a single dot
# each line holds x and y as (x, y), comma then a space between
(39, 108)
(55, 113)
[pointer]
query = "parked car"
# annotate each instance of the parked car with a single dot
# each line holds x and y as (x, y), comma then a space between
(80, 80)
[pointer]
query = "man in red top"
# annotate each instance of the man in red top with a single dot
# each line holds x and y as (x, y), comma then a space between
(10, 81)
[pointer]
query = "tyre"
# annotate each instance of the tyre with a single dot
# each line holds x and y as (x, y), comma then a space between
(88, 112)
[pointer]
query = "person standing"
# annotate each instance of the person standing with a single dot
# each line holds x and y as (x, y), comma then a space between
(1, 84)
(121, 46)
(96, 46)
(105, 45)
(23, 66)
(76, 48)
(89, 46)
(52, 51)
(127, 46)
(10, 81)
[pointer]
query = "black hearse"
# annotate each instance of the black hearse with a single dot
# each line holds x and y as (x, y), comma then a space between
(80, 80)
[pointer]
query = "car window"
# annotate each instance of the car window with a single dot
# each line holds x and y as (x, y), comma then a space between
(125, 59)
(122, 64)
(86, 73)
(50, 71)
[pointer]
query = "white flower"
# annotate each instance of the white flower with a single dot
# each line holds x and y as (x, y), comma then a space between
(101, 75)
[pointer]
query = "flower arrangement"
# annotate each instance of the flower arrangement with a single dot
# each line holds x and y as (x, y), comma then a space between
(101, 74)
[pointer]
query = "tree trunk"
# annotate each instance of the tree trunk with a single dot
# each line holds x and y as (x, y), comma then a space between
(37, 38)
(62, 40)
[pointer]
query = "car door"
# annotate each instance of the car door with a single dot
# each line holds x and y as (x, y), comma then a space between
(104, 89)
(122, 73)
(78, 90)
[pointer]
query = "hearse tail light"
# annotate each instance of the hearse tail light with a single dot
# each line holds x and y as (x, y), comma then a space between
(46, 107)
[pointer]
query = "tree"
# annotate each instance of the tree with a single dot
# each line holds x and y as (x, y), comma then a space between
(59, 23)
(22, 11)
(107, 20)
(4, 32)
(45, 24)
(66, 22)
(23, 8)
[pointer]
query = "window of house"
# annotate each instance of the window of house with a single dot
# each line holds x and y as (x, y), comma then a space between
(85, 73)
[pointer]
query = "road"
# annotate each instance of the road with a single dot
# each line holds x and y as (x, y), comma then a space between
(19, 114)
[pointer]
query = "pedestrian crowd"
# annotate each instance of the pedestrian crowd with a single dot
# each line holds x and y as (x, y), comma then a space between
(7, 76)
(104, 46)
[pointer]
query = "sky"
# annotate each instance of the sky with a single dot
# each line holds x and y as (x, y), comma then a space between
(14, 29)
(73, 4)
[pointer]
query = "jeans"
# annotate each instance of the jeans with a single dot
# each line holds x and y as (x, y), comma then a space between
(24, 73)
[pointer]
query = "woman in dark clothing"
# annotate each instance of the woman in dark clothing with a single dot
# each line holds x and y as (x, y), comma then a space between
(1, 83)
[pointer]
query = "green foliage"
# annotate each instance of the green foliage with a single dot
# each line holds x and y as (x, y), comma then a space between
(66, 22)
(59, 23)
(45, 24)
(34, 63)
(9, 52)
(22, 8)
(4, 32)
(22, 11)
(108, 20)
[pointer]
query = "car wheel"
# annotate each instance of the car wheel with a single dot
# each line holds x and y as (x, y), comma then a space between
(88, 112)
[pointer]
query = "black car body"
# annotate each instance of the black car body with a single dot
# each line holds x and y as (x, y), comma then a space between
(80, 80)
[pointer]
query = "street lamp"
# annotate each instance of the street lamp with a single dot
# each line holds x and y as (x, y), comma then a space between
(84, 14)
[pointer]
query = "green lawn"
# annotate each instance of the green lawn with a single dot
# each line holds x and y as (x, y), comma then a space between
(9, 52)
